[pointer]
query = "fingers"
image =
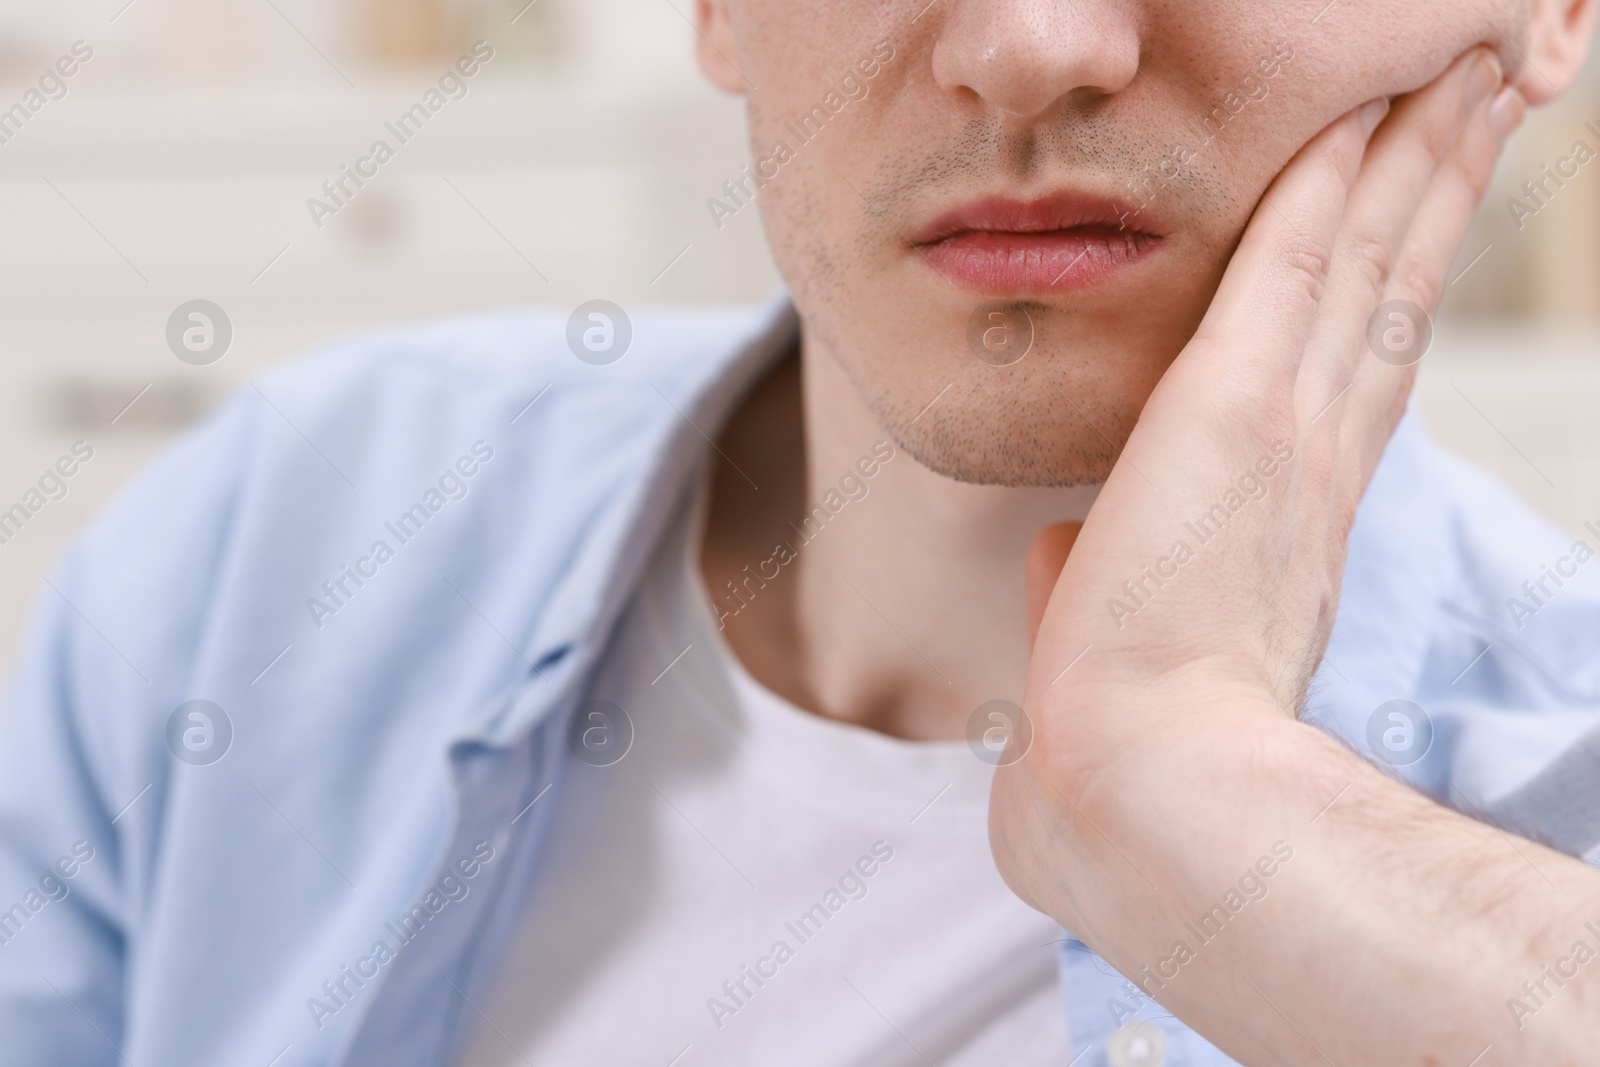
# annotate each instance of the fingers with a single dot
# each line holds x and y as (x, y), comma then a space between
(1440, 223)
(1421, 272)
(1047, 554)
(1254, 334)
(1378, 390)
(1402, 164)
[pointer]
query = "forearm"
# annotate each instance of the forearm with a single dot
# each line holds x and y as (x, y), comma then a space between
(1320, 911)
(1272, 890)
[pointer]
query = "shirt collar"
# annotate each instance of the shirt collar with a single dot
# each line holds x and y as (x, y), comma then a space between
(1396, 571)
(577, 616)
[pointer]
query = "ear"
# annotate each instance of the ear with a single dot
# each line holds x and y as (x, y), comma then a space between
(714, 48)
(1558, 42)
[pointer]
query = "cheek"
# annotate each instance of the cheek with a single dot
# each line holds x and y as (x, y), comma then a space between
(796, 52)
(899, 335)
(1355, 51)
(1364, 49)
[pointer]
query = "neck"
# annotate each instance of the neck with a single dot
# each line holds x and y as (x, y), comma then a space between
(903, 608)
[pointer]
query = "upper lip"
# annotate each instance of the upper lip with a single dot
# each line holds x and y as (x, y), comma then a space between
(1046, 214)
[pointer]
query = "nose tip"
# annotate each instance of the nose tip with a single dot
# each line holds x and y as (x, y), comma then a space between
(1022, 56)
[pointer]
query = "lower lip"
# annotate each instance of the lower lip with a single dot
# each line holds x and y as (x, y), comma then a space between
(1054, 261)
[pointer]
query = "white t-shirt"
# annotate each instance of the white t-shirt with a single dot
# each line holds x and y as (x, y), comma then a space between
(752, 884)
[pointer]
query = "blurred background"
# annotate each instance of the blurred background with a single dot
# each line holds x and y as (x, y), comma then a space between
(176, 161)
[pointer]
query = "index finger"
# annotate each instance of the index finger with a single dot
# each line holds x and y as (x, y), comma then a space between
(1256, 329)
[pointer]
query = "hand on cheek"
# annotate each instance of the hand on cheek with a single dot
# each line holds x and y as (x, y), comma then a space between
(1200, 592)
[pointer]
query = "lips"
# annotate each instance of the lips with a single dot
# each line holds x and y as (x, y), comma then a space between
(1056, 243)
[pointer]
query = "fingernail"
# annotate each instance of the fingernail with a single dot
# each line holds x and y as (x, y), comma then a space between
(1506, 113)
(1484, 79)
(1372, 113)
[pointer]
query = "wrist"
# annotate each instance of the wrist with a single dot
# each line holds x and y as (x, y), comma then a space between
(1146, 828)
(1108, 736)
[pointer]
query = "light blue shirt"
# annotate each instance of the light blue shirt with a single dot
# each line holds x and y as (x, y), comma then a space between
(391, 568)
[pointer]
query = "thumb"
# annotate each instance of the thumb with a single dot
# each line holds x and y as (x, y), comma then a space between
(1046, 556)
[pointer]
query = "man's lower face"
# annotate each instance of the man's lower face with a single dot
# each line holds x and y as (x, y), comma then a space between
(1005, 219)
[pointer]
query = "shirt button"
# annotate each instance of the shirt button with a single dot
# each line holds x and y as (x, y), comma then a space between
(1136, 1045)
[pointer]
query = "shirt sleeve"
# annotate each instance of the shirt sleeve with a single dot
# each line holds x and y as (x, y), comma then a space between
(1114, 1023)
(85, 768)
(62, 939)
(1559, 806)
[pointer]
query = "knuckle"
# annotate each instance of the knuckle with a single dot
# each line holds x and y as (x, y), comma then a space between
(1474, 166)
(1436, 138)
(1370, 257)
(1259, 419)
(1307, 260)
(1421, 283)
(1426, 289)
(1342, 166)
(1276, 428)
(1256, 397)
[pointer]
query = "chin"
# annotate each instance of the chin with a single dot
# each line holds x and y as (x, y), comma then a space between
(1007, 444)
